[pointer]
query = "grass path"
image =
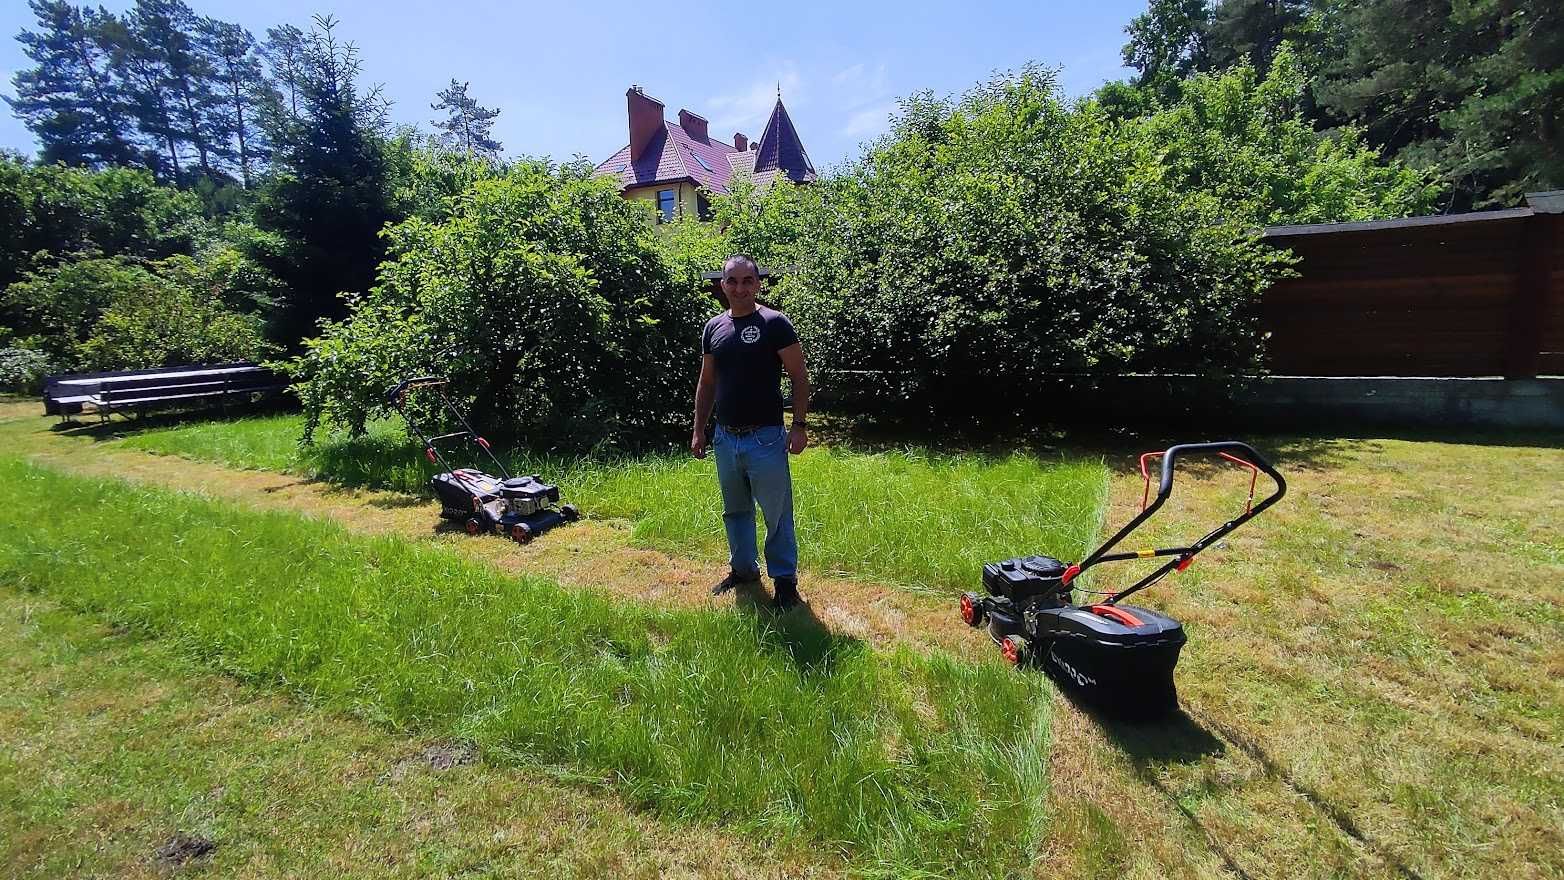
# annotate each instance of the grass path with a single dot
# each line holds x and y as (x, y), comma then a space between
(591, 554)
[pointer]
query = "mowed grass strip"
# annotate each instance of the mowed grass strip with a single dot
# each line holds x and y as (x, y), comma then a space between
(902, 762)
(909, 518)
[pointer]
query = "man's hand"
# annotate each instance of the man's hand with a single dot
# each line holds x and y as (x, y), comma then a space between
(698, 444)
(797, 439)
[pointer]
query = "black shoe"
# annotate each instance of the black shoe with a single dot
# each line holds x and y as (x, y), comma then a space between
(786, 590)
(735, 579)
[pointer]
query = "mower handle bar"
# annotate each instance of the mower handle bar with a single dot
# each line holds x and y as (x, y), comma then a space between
(1232, 450)
(394, 397)
(395, 392)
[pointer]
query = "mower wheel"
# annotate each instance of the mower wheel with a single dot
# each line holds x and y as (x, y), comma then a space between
(972, 609)
(521, 533)
(1016, 650)
(570, 512)
(474, 526)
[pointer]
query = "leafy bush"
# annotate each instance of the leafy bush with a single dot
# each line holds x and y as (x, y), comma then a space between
(542, 297)
(120, 313)
(51, 212)
(987, 246)
(22, 369)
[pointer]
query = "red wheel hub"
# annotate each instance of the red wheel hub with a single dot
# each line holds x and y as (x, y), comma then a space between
(472, 527)
(968, 613)
(1012, 656)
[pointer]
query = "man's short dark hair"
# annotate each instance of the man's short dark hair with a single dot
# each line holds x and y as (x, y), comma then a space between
(741, 258)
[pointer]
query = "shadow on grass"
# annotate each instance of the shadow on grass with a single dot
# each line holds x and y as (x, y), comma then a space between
(813, 648)
(1120, 447)
(1155, 743)
(90, 425)
(1184, 738)
(1337, 814)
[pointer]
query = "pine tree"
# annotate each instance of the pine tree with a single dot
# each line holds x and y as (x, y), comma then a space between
(284, 50)
(467, 126)
(237, 65)
(1474, 90)
(164, 34)
(143, 80)
(69, 100)
(327, 197)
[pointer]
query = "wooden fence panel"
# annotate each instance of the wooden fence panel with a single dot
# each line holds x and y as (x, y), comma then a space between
(1473, 295)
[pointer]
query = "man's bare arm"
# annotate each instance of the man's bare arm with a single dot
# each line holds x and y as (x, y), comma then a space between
(793, 361)
(705, 399)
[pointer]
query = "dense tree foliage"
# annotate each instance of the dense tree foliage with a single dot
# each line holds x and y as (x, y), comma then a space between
(1246, 141)
(328, 195)
(990, 245)
(1471, 91)
(50, 213)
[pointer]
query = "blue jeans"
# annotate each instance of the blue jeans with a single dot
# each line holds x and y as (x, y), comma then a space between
(754, 468)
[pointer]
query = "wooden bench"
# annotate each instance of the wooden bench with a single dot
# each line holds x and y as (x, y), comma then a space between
(140, 390)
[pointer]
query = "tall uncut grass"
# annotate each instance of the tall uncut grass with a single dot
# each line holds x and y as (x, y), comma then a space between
(902, 517)
(906, 763)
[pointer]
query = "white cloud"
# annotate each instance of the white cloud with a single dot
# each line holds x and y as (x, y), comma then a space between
(858, 86)
(748, 109)
(849, 75)
(870, 122)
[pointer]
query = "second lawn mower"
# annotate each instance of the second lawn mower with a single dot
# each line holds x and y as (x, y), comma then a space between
(1115, 657)
(519, 507)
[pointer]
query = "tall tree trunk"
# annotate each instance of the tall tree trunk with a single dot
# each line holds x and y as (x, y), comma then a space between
(195, 130)
(100, 98)
(244, 155)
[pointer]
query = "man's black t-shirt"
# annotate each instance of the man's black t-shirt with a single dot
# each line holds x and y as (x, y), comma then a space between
(749, 373)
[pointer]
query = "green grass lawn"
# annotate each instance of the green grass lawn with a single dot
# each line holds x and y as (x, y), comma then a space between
(111, 743)
(906, 763)
(909, 517)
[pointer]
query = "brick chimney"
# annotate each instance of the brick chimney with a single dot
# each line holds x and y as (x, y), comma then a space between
(694, 125)
(740, 142)
(646, 120)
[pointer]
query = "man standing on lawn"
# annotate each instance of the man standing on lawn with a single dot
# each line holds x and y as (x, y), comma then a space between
(743, 353)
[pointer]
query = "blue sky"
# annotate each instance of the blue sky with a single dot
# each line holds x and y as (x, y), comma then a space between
(558, 71)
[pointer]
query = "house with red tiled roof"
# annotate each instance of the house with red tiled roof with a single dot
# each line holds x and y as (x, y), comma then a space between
(674, 165)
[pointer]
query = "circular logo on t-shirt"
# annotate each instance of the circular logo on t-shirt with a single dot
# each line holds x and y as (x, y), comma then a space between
(750, 334)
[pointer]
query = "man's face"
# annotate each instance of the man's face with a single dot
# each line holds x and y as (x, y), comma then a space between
(740, 284)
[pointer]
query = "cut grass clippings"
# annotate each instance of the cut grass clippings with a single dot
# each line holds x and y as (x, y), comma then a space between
(907, 518)
(905, 763)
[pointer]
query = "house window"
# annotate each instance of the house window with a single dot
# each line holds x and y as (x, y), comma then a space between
(665, 205)
(702, 205)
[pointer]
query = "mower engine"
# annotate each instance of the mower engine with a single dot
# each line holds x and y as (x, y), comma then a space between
(520, 507)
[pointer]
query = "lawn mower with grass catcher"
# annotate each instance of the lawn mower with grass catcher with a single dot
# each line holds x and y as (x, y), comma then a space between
(1116, 658)
(519, 507)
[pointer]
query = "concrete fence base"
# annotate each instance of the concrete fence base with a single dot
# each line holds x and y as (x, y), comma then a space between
(1467, 403)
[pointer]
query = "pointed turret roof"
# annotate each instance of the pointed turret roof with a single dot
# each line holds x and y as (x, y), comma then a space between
(781, 151)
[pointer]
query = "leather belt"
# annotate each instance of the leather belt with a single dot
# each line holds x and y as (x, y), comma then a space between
(742, 430)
